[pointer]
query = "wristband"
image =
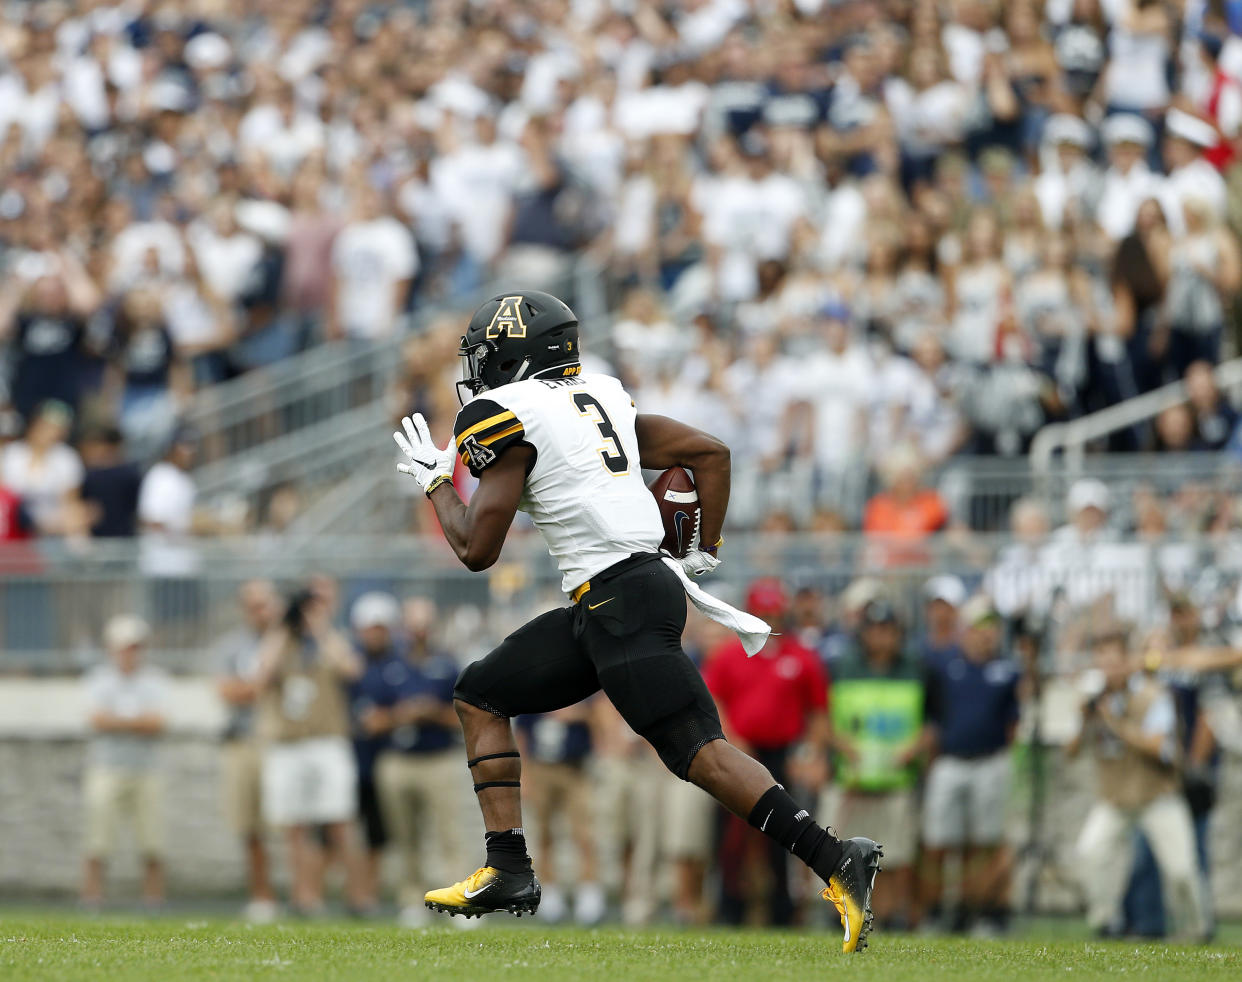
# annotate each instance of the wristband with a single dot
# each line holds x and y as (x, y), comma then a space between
(442, 479)
(711, 550)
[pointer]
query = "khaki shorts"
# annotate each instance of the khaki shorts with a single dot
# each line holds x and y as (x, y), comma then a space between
(689, 822)
(114, 798)
(966, 801)
(891, 818)
(559, 789)
(242, 767)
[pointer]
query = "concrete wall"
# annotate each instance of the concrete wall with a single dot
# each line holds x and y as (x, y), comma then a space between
(42, 751)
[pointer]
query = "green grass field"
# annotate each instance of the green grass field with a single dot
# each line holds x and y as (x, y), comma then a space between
(52, 946)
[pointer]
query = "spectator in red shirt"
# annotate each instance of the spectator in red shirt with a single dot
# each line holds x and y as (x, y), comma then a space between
(768, 704)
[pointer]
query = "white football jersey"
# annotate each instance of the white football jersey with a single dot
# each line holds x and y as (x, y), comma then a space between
(585, 491)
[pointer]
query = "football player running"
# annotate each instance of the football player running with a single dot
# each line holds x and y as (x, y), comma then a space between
(569, 449)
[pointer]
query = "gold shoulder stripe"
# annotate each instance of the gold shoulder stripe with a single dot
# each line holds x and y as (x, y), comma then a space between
(500, 418)
(488, 440)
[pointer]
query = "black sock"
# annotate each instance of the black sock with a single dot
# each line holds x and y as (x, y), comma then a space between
(778, 816)
(507, 851)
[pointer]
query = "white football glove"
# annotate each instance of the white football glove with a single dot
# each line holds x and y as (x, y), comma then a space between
(697, 562)
(429, 465)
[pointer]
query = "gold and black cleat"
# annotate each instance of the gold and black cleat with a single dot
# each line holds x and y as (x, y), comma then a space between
(486, 891)
(849, 890)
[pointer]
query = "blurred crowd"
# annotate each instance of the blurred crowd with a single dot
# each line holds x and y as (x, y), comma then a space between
(829, 231)
(919, 727)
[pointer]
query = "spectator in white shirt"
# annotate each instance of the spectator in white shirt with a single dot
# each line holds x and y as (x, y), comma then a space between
(980, 288)
(226, 254)
(475, 184)
(1068, 181)
(929, 112)
(166, 510)
(373, 261)
(833, 391)
(143, 249)
(1139, 45)
(281, 132)
(43, 470)
(127, 703)
(1086, 560)
(1186, 137)
(1017, 583)
(1128, 182)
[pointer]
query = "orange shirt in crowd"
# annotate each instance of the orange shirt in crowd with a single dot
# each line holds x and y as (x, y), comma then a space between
(903, 523)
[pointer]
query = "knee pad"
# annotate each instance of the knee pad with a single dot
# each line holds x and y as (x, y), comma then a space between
(680, 735)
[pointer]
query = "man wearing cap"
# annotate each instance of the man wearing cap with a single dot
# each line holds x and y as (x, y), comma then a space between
(404, 705)
(1068, 180)
(1128, 182)
(768, 704)
(879, 737)
(373, 618)
(127, 705)
(943, 596)
(1088, 504)
(1085, 559)
(972, 703)
(1186, 138)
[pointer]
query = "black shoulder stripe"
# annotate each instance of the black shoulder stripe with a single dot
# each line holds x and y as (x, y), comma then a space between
(485, 424)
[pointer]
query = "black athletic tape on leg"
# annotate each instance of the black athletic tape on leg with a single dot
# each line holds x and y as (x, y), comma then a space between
(496, 784)
(480, 759)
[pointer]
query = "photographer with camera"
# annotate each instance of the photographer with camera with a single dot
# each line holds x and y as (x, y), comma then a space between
(1129, 719)
(309, 775)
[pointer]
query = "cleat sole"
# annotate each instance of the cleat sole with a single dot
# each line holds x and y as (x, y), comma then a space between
(518, 909)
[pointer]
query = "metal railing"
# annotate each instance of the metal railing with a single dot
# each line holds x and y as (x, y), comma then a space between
(313, 418)
(53, 603)
(979, 491)
(1072, 438)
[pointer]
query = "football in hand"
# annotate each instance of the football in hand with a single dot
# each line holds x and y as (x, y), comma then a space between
(678, 499)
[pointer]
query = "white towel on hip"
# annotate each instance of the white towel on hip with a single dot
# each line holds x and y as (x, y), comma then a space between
(750, 630)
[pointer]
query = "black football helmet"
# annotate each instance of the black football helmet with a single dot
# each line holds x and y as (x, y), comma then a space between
(517, 336)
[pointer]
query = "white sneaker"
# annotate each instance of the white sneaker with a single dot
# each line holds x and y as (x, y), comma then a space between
(414, 916)
(590, 905)
(552, 906)
(261, 911)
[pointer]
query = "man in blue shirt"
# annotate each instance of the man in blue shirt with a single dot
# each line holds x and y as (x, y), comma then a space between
(944, 596)
(973, 706)
(372, 696)
(417, 768)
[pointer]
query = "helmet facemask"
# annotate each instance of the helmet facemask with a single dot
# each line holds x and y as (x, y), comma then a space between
(473, 357)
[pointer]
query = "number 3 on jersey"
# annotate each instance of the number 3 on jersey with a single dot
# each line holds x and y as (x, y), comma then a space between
(612, 454)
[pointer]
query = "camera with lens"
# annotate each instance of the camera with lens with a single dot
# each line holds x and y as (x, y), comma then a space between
(295, 610)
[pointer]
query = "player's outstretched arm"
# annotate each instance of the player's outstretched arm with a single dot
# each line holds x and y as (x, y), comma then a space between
(477, 531)
(665, 443)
